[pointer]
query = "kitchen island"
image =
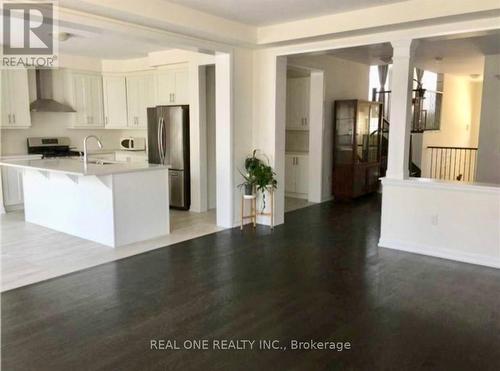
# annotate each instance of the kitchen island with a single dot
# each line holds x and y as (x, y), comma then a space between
(113, 203)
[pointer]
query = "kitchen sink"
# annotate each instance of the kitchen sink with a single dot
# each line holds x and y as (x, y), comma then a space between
(99, 161)
(104, 162)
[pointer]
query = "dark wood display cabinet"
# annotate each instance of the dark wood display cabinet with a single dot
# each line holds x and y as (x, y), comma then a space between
(356, 147)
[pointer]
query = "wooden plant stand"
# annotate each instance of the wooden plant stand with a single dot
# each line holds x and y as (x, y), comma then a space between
(253, 209)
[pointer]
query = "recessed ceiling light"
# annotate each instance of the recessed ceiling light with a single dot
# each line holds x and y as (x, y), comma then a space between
(62, 36)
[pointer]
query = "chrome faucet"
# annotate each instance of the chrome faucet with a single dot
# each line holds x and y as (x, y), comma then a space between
(85, 155)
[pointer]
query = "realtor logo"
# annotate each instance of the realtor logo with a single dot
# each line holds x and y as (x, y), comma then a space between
(28, 35)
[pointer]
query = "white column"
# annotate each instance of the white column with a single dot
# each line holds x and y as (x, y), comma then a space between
(488, 156)
(279, 140)
(198, 137)
(224, 138)
(400, 114)
(316, 137)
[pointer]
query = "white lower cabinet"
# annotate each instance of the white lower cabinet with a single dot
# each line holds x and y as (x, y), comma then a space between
(12, 183)
(297, 174)
(12, 187)
(131, 156)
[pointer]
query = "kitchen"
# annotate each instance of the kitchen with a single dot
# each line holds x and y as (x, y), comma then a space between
(108, 103)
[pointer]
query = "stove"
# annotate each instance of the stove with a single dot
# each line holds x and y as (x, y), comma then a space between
(50, 147)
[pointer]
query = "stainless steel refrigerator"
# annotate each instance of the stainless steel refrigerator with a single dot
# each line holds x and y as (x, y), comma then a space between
(168, 143)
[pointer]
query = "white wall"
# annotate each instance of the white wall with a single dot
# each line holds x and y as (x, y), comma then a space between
(342, 80)
(269, 106)
(459, 121)
(448, 220)
(488, 169)
(46, 124)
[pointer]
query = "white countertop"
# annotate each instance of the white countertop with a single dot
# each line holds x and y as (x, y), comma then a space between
(100, 151)
(75, 166)
(442, 184)
(20, 157)
(297, 153)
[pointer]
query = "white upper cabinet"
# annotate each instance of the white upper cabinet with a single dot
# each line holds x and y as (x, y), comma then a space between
(173, 85)
(141, 94)
(115, 102)
(181, 94)
(297, 103)
(87, 100)
(15, 103)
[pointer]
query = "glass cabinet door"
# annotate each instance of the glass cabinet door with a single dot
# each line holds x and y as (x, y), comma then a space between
(344, 138)
(362, 131)
(374, 137)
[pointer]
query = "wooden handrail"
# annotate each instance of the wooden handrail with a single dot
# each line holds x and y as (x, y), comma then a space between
(440, 147)
(453, 163)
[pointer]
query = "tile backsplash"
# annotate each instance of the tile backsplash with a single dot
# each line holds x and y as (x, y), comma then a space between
(297, 141)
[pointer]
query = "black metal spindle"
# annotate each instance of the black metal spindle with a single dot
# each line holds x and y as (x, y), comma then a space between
(440, 162)
(455, 167)
(462, 162)
(453, 163)
(470, 163)
(432, 159)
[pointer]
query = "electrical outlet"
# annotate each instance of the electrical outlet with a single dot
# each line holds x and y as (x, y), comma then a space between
(434, 219)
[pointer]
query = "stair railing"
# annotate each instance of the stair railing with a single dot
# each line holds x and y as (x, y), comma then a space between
(453, 163)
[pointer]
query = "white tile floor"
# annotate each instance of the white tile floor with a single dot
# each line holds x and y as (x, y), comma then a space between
(31, 253)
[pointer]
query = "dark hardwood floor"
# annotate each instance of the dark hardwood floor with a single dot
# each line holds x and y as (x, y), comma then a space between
(320, 276)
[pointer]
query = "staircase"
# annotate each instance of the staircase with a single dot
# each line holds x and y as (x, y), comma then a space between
(419, 125)
(414, 170)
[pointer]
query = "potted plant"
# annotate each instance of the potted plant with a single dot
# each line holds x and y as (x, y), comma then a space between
(258, 174)
(265, 181)
(248, 184)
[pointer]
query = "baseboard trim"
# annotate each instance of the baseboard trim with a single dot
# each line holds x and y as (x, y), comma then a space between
(436, 252)
(302, 196)
(11, 208)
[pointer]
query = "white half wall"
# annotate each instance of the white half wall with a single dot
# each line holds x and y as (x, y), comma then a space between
(488, 157)
(442, 219)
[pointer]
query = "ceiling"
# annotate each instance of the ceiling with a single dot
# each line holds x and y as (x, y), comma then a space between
(103, 46)
(459, 55)
(294, 72)
(266, 12)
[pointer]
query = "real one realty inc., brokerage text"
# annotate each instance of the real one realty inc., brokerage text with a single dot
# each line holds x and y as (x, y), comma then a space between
(247, 344)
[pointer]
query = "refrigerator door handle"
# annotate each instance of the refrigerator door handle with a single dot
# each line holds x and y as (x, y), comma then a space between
(158, 138)
(162, 131)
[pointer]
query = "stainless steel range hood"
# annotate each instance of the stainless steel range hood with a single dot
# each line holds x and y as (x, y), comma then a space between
(44, 95)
